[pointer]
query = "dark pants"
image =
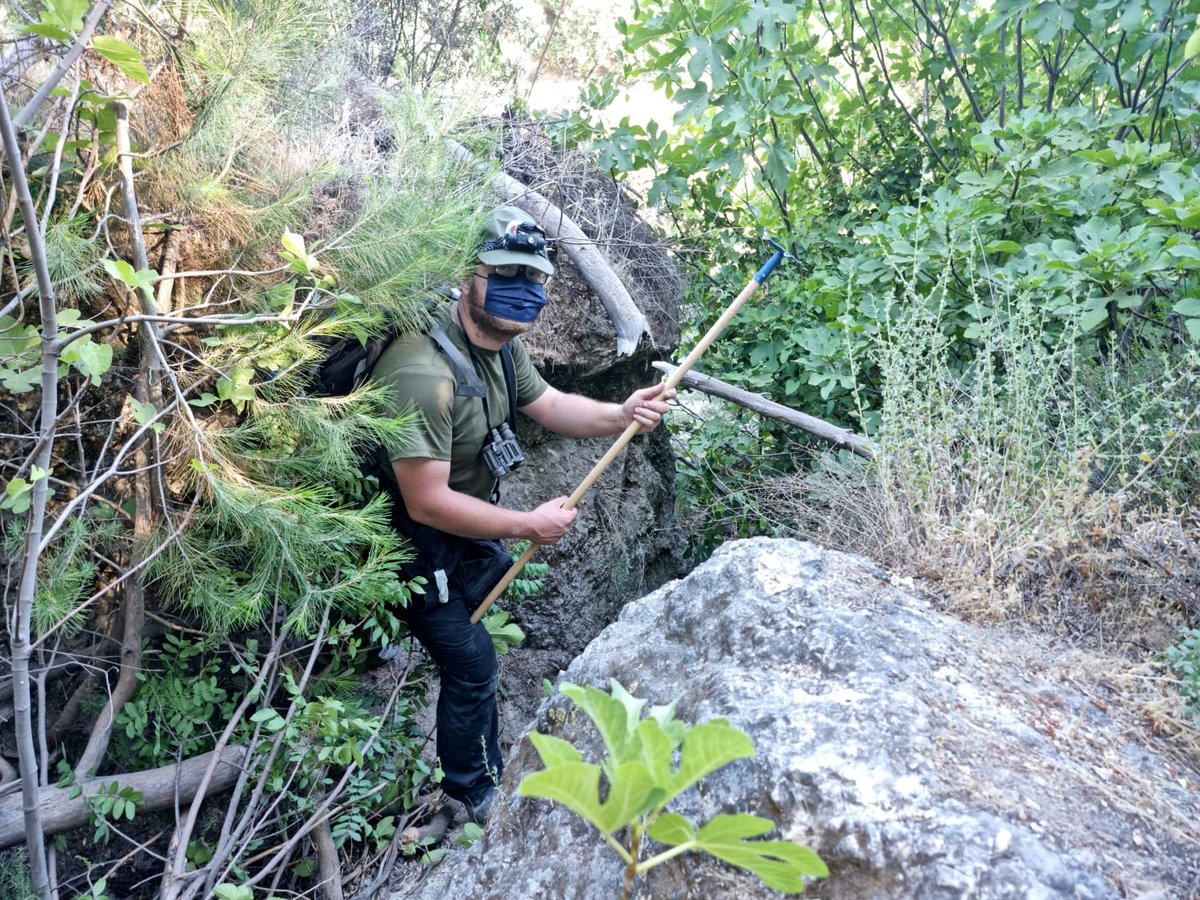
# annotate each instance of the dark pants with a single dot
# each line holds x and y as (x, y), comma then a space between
(468, 728)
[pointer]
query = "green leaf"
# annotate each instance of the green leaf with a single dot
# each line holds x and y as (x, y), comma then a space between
(282, 297)
(49, 31)
(672, 829)
(122, 55)
(144, 413)
(236, 387)
(631, 792)
(575, 785)
(1003, 247)
(614, 719)
(204, 400)
(1188, 307)
(554, 751)
(294, 244)
(1192, 47)
(656, 748)
(124, 272)
(781, 865)
(94, 359)
(63, 16)
(18, 495)
(706, 748)
(1093, 317)
(68, 318)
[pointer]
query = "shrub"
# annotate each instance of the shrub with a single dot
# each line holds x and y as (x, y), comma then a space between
(650, 761)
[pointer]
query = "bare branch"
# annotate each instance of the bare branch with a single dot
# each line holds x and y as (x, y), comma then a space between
(81, 42)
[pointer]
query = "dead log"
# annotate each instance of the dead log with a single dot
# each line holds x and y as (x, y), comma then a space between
(627, 318)
(159, 788)
(838, 437)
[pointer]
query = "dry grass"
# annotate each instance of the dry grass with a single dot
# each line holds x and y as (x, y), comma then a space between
(1093, 566)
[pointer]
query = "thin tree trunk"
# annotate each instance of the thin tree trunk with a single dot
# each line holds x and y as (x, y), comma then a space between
(146, 391)
(1004, 83)
(19, 625)
(330, 867)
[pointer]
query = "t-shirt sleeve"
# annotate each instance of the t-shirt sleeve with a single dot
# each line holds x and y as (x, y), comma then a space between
(530, 384)
(431, 397)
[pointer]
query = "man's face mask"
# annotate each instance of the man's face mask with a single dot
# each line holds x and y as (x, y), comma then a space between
(513, 297)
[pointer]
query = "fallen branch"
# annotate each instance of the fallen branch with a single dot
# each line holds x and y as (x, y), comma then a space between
(627, 318)
(60, 811)
(330, 867)
(839, 437)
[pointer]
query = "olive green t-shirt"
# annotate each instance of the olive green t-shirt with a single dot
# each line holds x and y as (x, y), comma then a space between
(418, 376)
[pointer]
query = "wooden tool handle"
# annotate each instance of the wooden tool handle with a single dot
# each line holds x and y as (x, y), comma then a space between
(628, 434)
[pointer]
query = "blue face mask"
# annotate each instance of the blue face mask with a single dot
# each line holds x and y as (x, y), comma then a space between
(514, 298)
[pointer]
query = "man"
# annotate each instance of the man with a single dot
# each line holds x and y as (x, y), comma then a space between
(449, 490)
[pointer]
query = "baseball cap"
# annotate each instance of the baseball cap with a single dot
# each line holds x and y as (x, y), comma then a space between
(512, 237)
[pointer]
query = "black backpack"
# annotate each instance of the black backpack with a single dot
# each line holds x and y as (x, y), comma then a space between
(348, 361)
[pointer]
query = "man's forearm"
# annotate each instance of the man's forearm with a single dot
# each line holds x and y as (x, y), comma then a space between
(470, 517)
(577, 416)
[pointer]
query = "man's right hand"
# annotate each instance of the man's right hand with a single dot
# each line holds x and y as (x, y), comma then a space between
(549, 522)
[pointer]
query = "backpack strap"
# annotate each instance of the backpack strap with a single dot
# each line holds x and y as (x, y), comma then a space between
(467, 382)
(510, 382)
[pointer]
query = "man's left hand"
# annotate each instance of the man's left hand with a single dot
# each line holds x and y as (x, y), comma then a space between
(646, 407)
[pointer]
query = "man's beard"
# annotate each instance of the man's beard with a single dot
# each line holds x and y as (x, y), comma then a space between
(491, 327)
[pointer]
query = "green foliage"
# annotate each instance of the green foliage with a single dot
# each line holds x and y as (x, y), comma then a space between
(531, 579)
(958, 161)
(20, 352)
(108, 804)
(67, 572)
(1184, 658)
(18, 492)
(73, 260)
(505, 633)
(186, 692)
(643, 773)
(326, 738)
(14, 875)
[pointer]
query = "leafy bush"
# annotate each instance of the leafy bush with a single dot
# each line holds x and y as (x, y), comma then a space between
(642, 773)
(908, 160)
(1184, 658)
(1022, 474)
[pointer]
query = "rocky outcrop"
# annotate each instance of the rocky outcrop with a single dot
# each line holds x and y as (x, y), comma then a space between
(919, 755)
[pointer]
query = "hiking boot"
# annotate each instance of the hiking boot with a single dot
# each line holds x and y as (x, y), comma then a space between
(444, 818)
(478, 812)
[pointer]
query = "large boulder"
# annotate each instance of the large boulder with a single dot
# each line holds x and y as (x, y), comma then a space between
(919, 755)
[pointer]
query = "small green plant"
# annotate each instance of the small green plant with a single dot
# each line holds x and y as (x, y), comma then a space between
(1184, 658)
(110, 802)
(14, 875)
(644, 773)
(505, 633)
(532, 578)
